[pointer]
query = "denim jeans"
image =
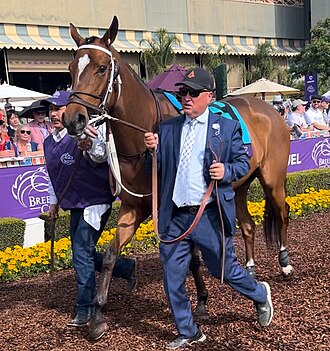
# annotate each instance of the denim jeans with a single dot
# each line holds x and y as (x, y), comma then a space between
(86, 260)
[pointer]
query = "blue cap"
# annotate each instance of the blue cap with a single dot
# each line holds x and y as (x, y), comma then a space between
(59, 98)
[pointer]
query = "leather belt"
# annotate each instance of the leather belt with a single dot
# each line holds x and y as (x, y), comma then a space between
(192, 209)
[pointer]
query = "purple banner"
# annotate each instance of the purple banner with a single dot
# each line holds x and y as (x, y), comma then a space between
(24, 191)
(310, 85)
(309, 154)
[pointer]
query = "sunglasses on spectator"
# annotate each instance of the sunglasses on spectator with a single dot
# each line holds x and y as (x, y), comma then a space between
(192, 93)
(316, 101)
(28, 132)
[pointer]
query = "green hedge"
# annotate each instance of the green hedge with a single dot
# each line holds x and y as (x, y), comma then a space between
(12, 229)
(296, 183)
(11, 232)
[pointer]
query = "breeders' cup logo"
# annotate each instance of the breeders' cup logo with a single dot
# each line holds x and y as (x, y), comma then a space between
(321, 153)
(67, 159)
(30, 189)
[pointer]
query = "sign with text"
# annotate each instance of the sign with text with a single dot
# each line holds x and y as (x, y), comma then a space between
(309, 154)
(24, 191)
(310, 85)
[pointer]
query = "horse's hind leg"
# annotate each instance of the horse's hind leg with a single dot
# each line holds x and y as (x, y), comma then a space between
(129, 220)
(276, 217)
(200, 311)
(246, 224)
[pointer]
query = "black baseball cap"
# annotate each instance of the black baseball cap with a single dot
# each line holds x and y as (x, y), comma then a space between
(198, 79)
(316, 97)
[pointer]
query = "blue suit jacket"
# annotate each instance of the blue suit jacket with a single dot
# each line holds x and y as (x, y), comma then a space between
(227, 145)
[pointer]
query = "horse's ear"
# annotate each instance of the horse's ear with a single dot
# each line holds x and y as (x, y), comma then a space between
(110, 35)
(79, 40)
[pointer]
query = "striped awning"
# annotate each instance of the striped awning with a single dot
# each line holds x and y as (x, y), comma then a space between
(19, 36)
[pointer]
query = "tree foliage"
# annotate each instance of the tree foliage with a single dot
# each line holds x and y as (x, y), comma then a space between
(210, 59)
(262, 64)
(159, 54)
(315, 57)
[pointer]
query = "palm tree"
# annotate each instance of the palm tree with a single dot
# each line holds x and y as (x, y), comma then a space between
(263, 64)
(159, 54)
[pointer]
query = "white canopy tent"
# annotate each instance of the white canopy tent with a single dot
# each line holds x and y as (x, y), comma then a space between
(263, 88)
(12, 94)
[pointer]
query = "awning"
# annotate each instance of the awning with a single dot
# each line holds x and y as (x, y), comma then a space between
(26, 36)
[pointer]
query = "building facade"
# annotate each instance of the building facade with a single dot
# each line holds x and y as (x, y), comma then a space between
(36, 47)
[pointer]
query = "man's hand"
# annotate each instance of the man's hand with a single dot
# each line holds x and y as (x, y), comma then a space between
(91, 131)
(217, 170)
(151, 141)
(53, 211)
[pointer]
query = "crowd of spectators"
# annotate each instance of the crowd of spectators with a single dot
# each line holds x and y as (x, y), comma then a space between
(18, 139)
(305, 116)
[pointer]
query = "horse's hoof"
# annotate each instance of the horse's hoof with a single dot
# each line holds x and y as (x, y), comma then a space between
(200, 313)
(287, 271)
(96, 331)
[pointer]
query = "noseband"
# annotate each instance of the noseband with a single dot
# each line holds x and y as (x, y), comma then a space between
(114, 78)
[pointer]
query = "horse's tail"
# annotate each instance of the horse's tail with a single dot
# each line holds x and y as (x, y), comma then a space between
(273, 223)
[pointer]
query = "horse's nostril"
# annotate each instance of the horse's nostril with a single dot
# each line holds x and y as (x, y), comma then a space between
(81, 120)
(77, 125)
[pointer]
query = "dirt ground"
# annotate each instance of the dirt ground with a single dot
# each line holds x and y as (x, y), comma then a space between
(34, 312)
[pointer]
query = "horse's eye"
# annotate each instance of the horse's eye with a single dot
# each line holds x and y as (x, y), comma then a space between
(102, 69)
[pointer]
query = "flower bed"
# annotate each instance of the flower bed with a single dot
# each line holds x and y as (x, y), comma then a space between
(18, 262)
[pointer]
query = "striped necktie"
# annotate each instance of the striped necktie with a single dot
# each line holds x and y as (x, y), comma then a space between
(180, 187)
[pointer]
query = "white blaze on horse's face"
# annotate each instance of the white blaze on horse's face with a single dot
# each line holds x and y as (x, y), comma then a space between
(82, 64)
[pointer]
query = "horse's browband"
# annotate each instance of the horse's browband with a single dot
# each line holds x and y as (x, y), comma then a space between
(96, 47)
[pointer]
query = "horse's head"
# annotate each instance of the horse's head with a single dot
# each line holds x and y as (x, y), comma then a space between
(93, 72)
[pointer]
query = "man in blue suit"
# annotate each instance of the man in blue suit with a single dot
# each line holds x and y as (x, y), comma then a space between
(186, 165)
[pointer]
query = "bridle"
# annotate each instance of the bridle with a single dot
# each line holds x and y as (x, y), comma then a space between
(113, 79)
(102, 116)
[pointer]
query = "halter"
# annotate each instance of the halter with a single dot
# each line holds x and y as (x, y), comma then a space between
(112, 79)
(104, 116)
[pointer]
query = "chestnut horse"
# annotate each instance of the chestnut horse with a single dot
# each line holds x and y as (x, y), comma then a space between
(103, 82)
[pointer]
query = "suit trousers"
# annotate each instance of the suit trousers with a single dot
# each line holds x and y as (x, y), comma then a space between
(86, 260)
(176, 259)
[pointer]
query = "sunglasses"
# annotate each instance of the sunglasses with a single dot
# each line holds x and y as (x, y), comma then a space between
(192, 93)
(28, 132)
(316, 101)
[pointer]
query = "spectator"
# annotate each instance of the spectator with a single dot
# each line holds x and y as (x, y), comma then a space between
(40, 128)
(324, 106)
(278, 105)
(9, 107)
(296, 117)
(3, 139)
(314, 116)
(22, 144)
(13, 122)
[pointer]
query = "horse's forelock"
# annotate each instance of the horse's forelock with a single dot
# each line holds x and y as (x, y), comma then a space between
(90, 40)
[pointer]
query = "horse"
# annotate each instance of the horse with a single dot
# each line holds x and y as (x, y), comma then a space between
(103, 82)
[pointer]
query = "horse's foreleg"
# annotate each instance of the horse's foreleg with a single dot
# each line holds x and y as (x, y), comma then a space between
(202, 293)
(129, 220)
(99, 325)
(247, 226)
